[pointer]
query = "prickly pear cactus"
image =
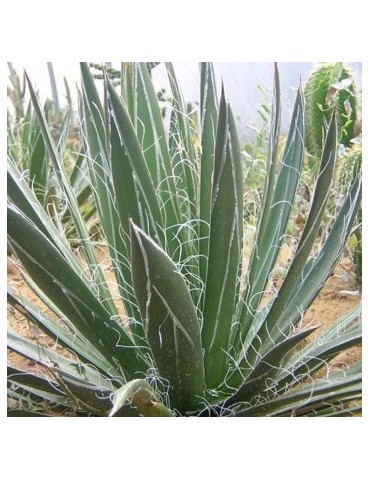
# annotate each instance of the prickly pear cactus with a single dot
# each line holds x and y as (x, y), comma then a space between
(330, 85)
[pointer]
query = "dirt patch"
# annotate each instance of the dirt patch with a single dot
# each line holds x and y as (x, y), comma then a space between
(340, 294)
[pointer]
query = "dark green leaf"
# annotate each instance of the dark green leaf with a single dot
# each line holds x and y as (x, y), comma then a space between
(170, 320)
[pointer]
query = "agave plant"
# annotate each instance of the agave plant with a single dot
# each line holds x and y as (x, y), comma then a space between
(193, 332)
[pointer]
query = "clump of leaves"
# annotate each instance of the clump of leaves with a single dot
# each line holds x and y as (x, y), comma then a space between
(194, 334)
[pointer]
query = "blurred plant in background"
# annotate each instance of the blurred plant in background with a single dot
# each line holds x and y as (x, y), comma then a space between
(26, 148)
(331, 86)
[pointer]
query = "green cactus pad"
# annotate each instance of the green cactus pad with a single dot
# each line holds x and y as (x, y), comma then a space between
(330, 86)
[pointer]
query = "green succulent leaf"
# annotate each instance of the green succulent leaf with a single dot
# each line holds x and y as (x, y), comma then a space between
(71, 200)
(33, 387)
(275, 214)
(186, 158)
(208, 125)
(319, 267)
(75, 298)
(63, 333)
(311, 397)
(128, 138)
(225, 247)
(307, 239)
(170, 321)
